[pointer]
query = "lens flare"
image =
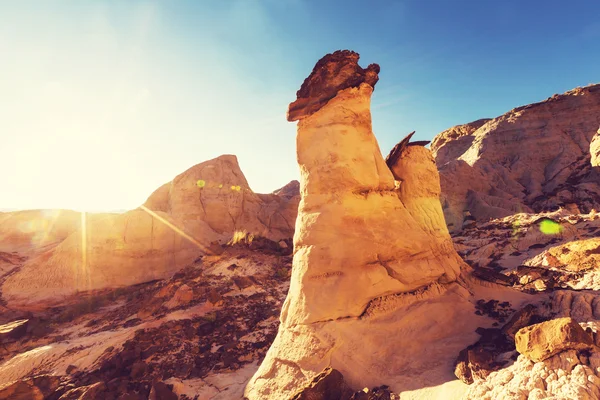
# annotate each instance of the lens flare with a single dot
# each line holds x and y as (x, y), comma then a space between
(549, 227)
(177, 230)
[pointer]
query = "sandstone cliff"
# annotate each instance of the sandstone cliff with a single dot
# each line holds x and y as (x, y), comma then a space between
(182, 220)
(534, 158)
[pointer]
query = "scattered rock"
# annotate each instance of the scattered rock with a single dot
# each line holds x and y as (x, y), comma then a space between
(541, 341)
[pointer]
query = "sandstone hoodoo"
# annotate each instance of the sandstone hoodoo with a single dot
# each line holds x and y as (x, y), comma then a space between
(371, 253)
(534, 158)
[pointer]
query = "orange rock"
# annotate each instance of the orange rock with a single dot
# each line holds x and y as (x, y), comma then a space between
(541, 341)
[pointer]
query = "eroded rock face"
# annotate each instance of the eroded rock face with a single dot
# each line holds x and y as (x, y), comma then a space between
(534, 158)
(332, 73)
(541, 341)
(366, 259)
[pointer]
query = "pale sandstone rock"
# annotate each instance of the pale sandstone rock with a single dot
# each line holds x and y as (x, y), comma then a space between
(533, 158)
(595, 149)
(368, 264)
(541, 341)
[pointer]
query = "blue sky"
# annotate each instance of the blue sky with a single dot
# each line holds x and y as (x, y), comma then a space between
(103, 101)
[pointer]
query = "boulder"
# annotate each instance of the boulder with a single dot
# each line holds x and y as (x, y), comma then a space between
(541, 341)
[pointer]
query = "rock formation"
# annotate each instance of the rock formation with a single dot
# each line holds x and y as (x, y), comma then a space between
(369, 255)
(181, 221)
(532, 159)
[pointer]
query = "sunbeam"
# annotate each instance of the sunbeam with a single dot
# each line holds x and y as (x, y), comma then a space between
(177, 230)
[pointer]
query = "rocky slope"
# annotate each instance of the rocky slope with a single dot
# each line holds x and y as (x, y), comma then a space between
(532, 159)
(59, 254)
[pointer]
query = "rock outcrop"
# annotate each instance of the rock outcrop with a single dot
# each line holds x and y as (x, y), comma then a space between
(371, 253)
(532, 159)
(181, 221)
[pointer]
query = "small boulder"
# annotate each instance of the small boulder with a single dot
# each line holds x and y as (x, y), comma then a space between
(329, 384)
(182, 296)
(541, 341)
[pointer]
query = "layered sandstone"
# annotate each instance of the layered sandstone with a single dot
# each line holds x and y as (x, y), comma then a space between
(372, 257)
(533, 158)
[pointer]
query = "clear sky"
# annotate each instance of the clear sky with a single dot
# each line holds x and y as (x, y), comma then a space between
(101, 102)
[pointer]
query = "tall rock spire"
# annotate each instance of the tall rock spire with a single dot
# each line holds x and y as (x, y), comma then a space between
(364, 244)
